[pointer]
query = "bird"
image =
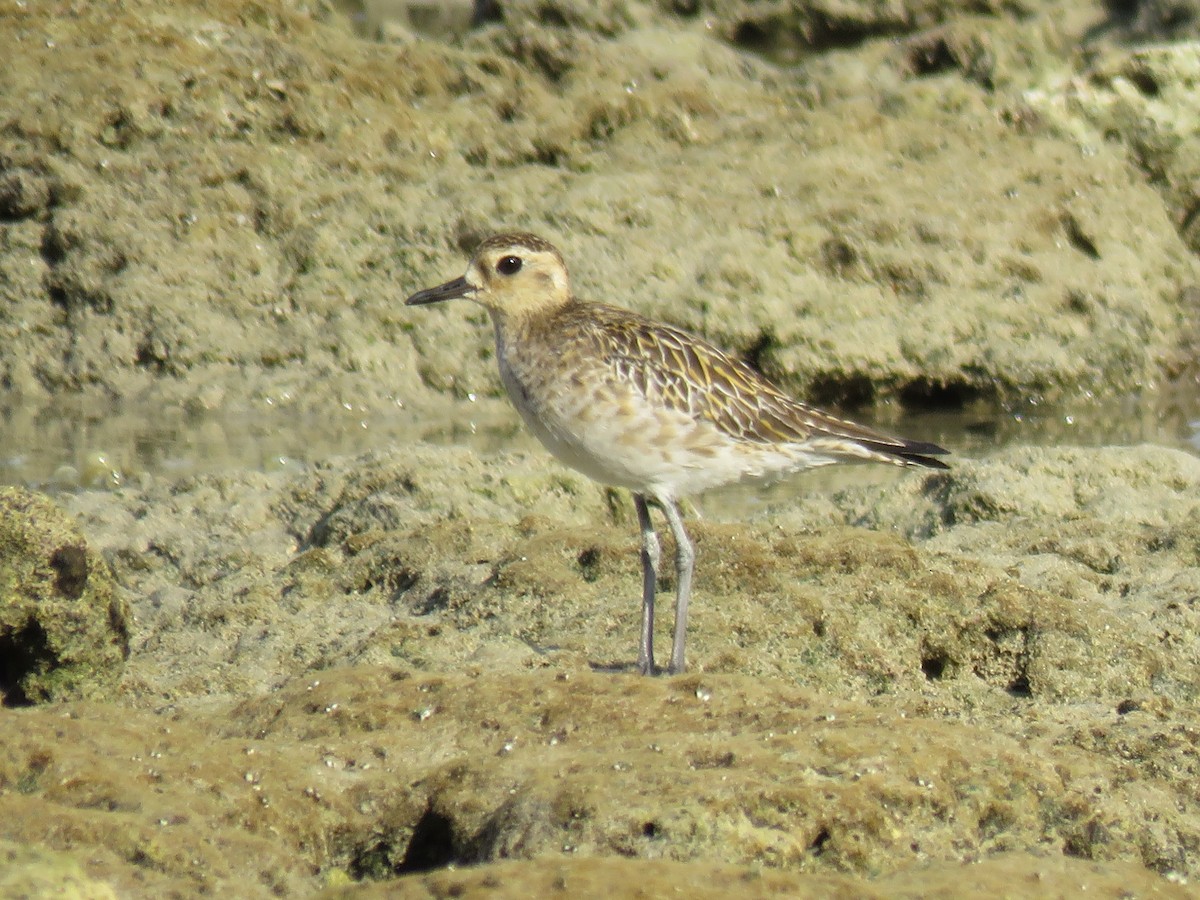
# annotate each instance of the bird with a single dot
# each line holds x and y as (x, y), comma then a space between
(634, 403)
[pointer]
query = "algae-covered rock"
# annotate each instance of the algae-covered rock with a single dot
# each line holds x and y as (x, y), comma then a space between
(38, 872)
(64, 630)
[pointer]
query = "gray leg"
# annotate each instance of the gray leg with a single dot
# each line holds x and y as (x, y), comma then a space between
(650, 556)
(685, 564)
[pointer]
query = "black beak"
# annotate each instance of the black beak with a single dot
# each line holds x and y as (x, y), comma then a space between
(451, 290)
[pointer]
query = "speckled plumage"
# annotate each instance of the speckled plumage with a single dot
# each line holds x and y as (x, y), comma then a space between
(642, 405)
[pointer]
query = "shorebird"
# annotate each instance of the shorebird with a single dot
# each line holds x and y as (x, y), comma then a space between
(637, 404)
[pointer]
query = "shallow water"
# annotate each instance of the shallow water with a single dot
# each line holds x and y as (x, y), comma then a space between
(76, 444)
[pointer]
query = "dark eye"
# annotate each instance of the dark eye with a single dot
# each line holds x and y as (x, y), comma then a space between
(509, 265)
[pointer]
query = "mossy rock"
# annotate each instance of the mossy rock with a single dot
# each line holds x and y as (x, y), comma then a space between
(27, 871)
(64, 628)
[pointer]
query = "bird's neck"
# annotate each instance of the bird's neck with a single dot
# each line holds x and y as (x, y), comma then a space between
(528, 327)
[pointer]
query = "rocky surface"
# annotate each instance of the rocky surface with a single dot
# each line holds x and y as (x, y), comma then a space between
(409, 670)
(922, 203)
(422, 659)
(64, 626)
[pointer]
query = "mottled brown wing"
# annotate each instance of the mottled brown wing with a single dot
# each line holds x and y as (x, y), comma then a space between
(686, 373)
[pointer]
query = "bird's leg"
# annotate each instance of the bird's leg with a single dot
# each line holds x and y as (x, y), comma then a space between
(685, 564)
(650, 557)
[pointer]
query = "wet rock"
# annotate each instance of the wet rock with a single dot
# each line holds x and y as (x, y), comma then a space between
(64, 626)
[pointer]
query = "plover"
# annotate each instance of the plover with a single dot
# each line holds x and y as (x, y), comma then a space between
(637, 404)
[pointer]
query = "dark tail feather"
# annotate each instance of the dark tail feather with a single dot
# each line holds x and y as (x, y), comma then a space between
(910, 453)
